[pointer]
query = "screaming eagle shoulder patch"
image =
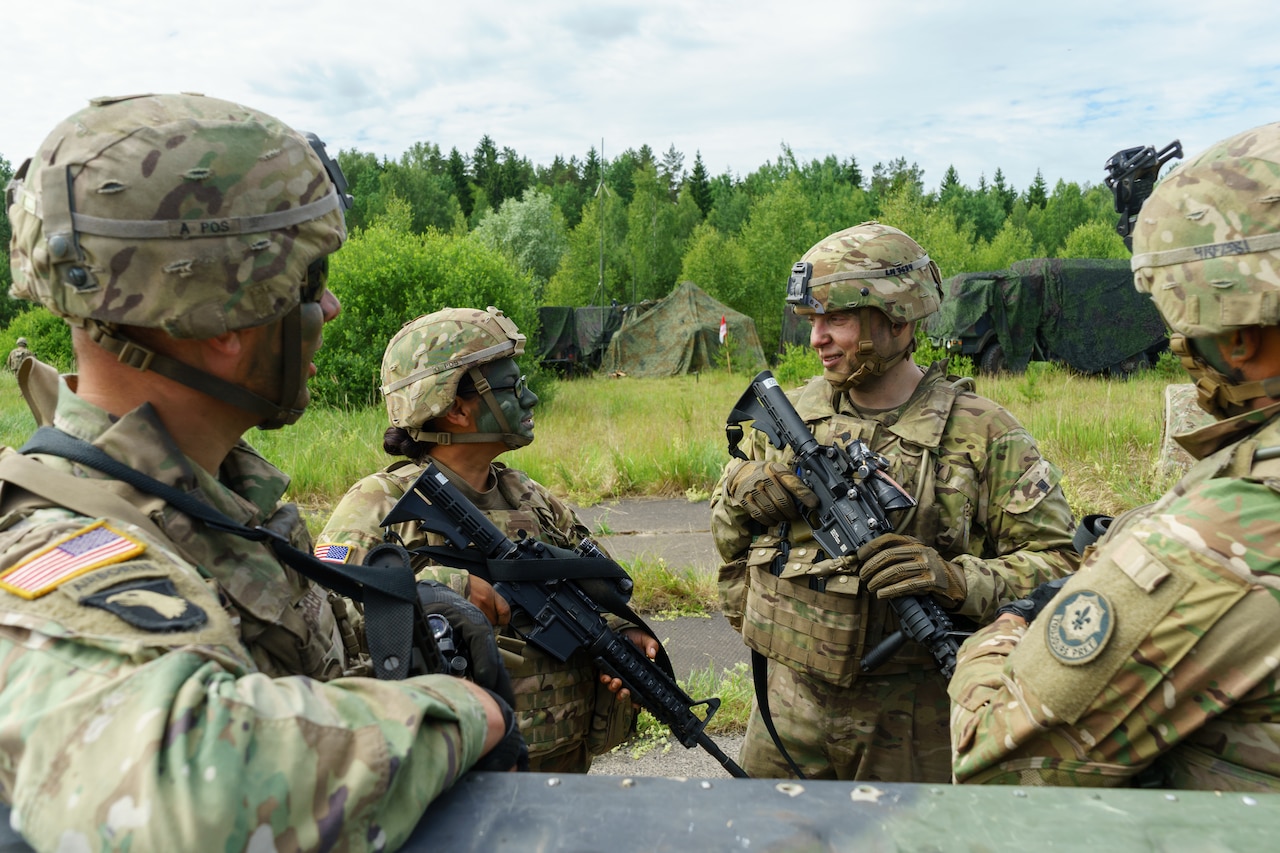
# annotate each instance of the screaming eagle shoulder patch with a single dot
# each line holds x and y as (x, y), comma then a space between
(87, 549)
(152, 605)
(1079, 627)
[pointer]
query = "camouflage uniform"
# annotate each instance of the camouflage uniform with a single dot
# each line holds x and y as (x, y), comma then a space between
(988, 502)
(1158, 662)
(164, 686)
(17, 355)
(564, 713)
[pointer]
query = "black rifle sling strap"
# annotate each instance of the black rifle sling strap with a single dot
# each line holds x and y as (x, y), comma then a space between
(760, 678)
(388, 594)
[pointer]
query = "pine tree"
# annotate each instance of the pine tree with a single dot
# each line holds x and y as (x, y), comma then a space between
(1037, 193)
(700, 185)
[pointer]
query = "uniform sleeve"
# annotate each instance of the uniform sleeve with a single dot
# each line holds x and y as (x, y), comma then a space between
(1027, 526)
(132, 717)
(355, 527)
(732, 529)
(1168, 637)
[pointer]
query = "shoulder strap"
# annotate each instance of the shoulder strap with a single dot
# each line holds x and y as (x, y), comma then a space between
(389, 591)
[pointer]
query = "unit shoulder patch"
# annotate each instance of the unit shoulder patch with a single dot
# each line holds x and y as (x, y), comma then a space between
(89, 548)
(1079, 627)
(152, 605)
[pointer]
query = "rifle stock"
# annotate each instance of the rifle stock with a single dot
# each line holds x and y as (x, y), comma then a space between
(855, 496)
(565, 594)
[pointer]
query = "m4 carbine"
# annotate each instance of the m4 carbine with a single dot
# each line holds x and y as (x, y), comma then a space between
(565, 593)
(855, 497)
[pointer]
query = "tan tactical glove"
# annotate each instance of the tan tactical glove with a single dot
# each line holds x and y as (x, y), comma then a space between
(768, 491)
(895, 565)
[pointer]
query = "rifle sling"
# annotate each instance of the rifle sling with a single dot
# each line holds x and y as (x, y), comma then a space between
(760, 679)
(390, 595)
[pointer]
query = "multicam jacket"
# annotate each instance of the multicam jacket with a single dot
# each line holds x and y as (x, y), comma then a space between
(188, 692)
(1160, 656)
(988, 501)
(565, 715)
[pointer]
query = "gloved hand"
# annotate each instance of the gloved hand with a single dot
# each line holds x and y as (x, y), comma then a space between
(895, 565)
(472, 634)
(768, 491)
(1029, 608)
(509, 752)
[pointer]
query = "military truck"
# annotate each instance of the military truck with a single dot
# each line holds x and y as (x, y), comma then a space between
(1082, 312)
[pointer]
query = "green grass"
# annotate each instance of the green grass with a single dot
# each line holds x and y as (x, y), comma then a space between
(732, 686)
(668, 593)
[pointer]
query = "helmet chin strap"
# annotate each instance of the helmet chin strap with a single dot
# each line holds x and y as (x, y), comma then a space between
(869, 361)
(274, 415)
(509, 437)
(1217, 393)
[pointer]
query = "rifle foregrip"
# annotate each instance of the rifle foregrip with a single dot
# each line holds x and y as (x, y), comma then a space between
(651, 687)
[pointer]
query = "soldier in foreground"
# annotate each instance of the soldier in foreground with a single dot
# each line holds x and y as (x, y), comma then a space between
(455, 397)
(991, 524)
(165, 685)
(1157, 663)
(17, 355)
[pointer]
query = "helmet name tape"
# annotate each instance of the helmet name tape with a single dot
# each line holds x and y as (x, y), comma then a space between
(150, 229)
(1208, 251)
(918, 263)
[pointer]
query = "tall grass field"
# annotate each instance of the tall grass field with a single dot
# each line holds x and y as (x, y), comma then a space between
(602, 438)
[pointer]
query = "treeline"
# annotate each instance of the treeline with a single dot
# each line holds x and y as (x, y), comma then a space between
(490, 227)
(588, 231)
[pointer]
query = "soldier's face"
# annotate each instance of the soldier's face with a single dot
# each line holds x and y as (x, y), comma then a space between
(836, 336)
(513, 397)
(266, 360)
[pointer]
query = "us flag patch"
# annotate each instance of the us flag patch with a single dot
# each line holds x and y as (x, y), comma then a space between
(87, 549)
(333, 553)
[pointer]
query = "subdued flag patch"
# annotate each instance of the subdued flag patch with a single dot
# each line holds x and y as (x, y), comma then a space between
(87, 549)
(153, 605)
(333, 553)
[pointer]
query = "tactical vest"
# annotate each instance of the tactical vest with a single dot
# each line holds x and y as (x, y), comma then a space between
(559, 706)
(806, 610)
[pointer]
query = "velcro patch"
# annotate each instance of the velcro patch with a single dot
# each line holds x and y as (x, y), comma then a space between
(152, 605)
(87, 549)
(1080, 627)
(333, 553)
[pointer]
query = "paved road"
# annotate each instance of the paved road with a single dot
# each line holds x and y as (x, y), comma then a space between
(679, 531)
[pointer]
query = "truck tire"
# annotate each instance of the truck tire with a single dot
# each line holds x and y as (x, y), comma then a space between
(1131, 365)
(992, 360)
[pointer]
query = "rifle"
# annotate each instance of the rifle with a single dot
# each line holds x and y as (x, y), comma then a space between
(565, 593)
(1131, 176)
(855, 497)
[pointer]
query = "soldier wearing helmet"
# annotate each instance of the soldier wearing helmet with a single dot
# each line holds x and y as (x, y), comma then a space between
(17, 355)
(1157, 663)
(151, 625)
(455, 398)
(990, 525)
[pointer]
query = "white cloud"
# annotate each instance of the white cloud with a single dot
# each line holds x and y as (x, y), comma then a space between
(1016, 85)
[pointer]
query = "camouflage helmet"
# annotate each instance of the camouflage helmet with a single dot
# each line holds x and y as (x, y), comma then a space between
(866, 266)
(180, 212)
(1207, 241)
(22, 342)
(428, 357)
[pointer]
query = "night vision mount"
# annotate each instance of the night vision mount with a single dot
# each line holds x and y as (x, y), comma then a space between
(1131, 176)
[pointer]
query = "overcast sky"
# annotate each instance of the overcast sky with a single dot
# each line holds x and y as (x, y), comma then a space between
(1016, 84)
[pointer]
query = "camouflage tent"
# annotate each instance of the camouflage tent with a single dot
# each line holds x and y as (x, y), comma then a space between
(681, 334)
(575, 337)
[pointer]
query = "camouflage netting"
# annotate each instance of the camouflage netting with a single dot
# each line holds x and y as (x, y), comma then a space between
(1085, 312)
(681, 334)
(578, 335)
(1093, 316)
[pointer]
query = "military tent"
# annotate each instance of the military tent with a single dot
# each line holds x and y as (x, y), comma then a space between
(681, 334)
(575, 338)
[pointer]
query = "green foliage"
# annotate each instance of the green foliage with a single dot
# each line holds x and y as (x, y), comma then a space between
(48, 336)
(386, 277)
(667, 593)
(530, 232)
(796, 365)
(1094, 239)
